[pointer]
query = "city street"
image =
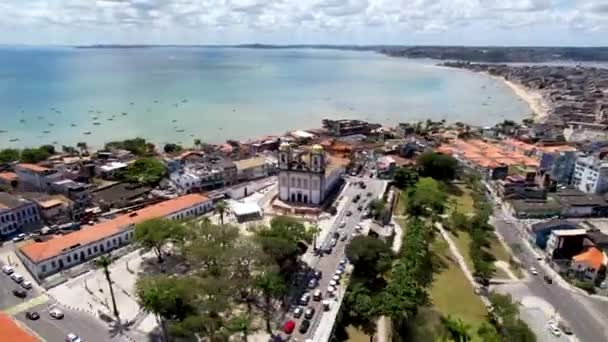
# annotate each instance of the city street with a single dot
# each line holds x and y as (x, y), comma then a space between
(89, 328)
(7, 285)
(328, 264)
(572, 307)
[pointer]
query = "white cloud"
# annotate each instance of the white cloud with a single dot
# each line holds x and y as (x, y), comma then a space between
(89, 21)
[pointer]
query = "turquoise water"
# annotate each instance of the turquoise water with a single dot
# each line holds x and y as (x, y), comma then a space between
(51, 95)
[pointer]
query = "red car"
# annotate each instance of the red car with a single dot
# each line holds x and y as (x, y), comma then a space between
(289, 326)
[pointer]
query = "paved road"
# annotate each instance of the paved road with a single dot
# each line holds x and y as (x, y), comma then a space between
(328, 264)
(7, 285)
(89, 328)
(569, 305)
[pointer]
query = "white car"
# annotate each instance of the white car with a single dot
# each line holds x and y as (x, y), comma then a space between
(27, 284)
(17, 277)
(72, 338)
(19, 237)
(333, 283)
(333, 242)
(554, 329)
(533, 270)
(342, 224)
(56, 313)
(7, 269)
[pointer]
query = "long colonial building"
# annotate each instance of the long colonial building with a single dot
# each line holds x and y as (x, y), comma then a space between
(45, 258)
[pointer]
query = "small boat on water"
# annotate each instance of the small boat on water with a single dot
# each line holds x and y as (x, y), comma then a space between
(174, 120)
(46, 132)
(3, 131)
(484, 104)
(180, 130)
(110, 119)
(14, 140)
(155, 101)
(55, 142)
(95, 118)
(184, 100)
(192, 135)
(124, 114)
(86, 133)
(40, 117)
(51, 124)
(22, 120)
(73, 125)
(131, 103)
(96, 123)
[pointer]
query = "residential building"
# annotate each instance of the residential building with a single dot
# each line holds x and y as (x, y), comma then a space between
(308, 178)
(111, 169)
(76, 191)
(229, 172)
(251, 168)
(57, 209)
(348, 127)
(36, 177)
(186, 181)
(558, 165)
(386, 167)
(118, 195)
(589, 264)
(564, 244)
(9, 180)
(539, 233)
(598, 239)
(17, 214)
(590, 175)
(576, 203)
(45, 258)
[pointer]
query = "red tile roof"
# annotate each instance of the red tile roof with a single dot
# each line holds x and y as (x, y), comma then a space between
(39, 251)
(8, 176)
(592, 257)
(11, 331)
(33, 167)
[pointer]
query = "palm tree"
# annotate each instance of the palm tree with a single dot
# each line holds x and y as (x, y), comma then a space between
(220, 208)
(314, 230)
(105, 261)
(82, 146)
(197, 144)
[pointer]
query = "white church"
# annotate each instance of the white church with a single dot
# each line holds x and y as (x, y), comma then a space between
(308, 177)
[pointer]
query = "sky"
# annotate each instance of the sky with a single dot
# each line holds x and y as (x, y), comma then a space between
(399, 22)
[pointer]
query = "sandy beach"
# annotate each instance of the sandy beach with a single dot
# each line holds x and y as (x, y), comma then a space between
(534, 99)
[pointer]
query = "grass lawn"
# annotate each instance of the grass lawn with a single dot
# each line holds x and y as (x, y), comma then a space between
(461, 197)
(399, 208)
(451, 294)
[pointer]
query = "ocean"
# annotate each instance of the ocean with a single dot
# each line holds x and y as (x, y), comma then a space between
(67, 95)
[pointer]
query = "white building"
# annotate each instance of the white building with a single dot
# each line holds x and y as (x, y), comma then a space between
(308, 178)
(45, 258)
(185, 181)
(111, 169)
(252, 168)
(590, 175)
(16, 214)
(36, 176)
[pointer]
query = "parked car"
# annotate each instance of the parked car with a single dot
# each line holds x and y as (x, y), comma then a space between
(19, 293)
(32, 315)
(356, 198)
(316, 295)
(344, 237)
(304, 326)
(318, 274)
(312, 283)
(289, 326)
(17, 277)
(72, 338)
(26, 284)
(19, 237)
(360, 208)
(336, 235)
(548, 279)
(342, 224)
(56, 313)
(304, 299)
(343, 261)
(349, 213)
(7, 269)
(368, 194)
(309, 313)
(297, 312)
(554, 329)
(333, 242)
(533, 270)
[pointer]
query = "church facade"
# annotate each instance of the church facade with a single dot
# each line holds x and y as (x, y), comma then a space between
(307, 178)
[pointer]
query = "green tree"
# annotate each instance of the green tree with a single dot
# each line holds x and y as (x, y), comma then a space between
(488, 333)
(155, 233)
(426, 199)
(220, 208)
(82, 147)
(105, 261)
(197, 143)
(168, 298)
(369, 255)
(378, 208)
(137, 146)
(68, 149)
(438, 166)
(272, 289)
(172, 148)
(314, 231)
(9, 155)
(50, 149)
(405, 178)
(240, 323)
(34, 155)
(457, 329)
(363, 307)
(148, 171)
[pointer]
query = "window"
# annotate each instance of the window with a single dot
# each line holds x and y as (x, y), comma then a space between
(75, 256)
(108, 244)
(315, 184)
(43, 268)
(293, 181)
(53, 264)
(88, 251)
(283, 181)
(305, 183)
(299, 183)
(95, 249)
(69, 259)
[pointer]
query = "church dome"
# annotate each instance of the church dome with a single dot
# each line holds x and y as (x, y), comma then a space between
(317, 149)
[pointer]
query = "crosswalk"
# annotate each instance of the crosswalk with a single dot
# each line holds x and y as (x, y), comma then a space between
(43, 298)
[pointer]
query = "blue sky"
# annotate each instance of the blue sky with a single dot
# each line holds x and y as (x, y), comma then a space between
(409, 22)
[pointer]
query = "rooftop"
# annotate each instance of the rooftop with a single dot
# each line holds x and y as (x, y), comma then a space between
(8, 176)
(554, 223)
(118, 192)
(592, 257)
(569, 232)
(250, 163)
(33, 167)
(111, 166)
(486, 154)
(10, 330)
(8, 201)
(39, 251)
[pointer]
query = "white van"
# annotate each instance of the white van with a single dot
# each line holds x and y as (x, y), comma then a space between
(17, 277)
(7, 269)
(317, 295)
